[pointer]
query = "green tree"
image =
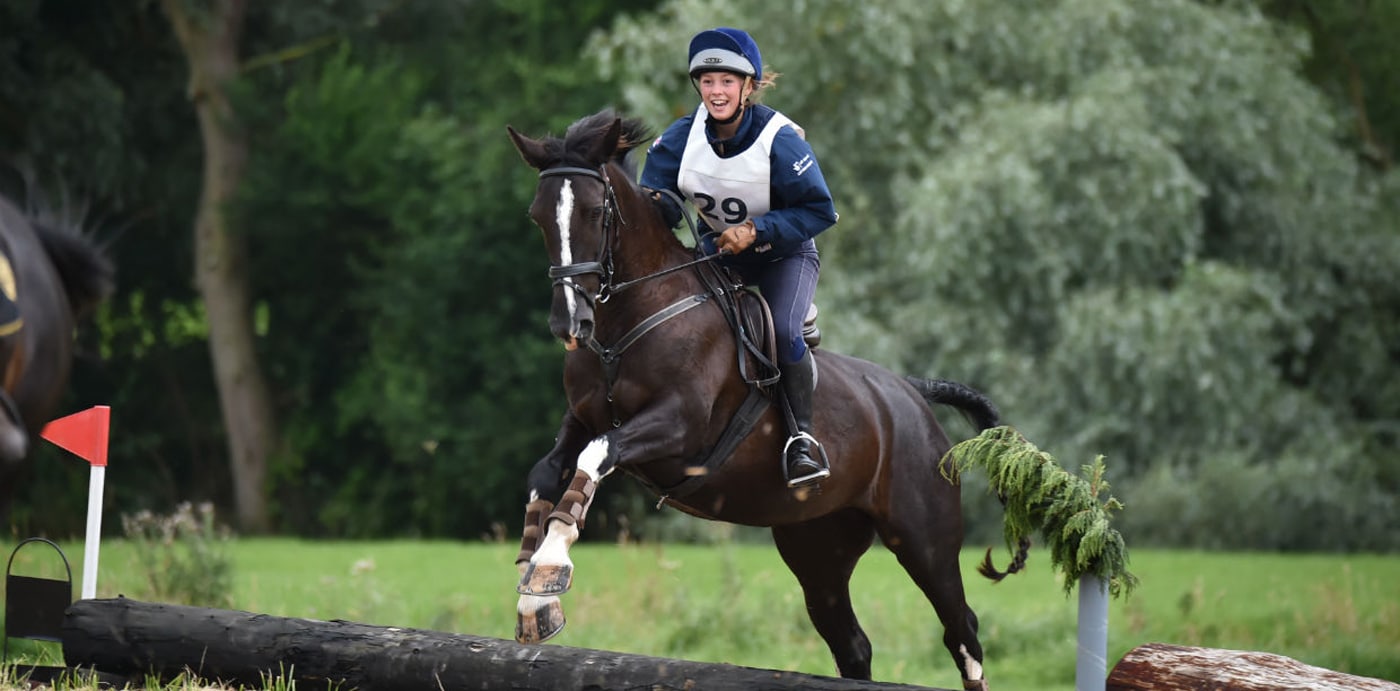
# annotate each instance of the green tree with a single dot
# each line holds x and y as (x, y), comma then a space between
(391, 300)
(1136, 225)
(418, 382)
(1354, 60)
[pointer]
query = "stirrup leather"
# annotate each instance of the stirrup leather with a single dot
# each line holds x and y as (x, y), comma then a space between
(823, 472)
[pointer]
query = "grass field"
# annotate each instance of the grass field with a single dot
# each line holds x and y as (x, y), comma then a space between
(737, 603)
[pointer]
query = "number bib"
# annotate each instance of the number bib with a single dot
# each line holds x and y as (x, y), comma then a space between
(727, 191)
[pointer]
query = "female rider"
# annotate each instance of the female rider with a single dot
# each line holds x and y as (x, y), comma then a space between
(755, 182)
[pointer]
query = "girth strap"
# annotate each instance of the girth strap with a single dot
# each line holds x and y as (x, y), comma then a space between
(743, 421)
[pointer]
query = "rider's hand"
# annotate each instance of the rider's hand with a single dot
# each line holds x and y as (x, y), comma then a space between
(736, 239)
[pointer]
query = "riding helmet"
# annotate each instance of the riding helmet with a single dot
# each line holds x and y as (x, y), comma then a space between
(725, 49)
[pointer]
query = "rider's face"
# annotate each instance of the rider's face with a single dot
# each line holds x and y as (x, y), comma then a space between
(722, 93)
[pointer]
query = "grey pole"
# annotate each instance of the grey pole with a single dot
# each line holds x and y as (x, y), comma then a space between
(1091, 660)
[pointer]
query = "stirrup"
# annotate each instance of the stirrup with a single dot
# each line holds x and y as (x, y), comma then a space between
(823, 470)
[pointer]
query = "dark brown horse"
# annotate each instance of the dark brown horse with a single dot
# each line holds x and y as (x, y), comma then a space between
(54, 275)
(657, 382)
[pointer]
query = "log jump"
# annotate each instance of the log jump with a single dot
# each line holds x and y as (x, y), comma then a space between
(1163, 667)
(135, 639)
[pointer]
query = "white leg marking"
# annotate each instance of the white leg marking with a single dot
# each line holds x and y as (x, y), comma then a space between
(974, 668)
(563, 213)
(593, 456)
(554, 548)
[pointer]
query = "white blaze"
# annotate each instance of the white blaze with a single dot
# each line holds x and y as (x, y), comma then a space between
(563, 213)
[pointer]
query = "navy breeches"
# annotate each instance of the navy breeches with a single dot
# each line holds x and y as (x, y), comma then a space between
(789, 285)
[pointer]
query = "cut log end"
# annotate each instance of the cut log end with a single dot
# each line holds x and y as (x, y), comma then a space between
(1163, 667)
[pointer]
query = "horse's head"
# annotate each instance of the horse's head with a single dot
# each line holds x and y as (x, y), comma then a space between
(577, 209)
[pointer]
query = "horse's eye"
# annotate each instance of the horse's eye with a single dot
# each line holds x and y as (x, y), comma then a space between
(595, 213)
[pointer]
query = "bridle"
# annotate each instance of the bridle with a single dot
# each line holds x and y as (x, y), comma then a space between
(563, 275)
(603, 266)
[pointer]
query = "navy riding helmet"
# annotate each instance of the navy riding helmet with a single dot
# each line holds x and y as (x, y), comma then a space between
(730, 50)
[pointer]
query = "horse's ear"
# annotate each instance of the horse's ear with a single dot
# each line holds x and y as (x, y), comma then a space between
(605, 146)
(532, 150)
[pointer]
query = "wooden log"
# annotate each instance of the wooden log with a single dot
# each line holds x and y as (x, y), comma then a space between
(133, 638)
(1162, 667)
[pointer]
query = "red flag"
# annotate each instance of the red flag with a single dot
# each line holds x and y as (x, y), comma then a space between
(85, 433)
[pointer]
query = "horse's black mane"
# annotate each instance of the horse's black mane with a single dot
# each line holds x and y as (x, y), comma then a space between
(87, 273)
(581, 139)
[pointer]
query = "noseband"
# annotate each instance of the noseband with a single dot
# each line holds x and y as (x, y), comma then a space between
(563, 275)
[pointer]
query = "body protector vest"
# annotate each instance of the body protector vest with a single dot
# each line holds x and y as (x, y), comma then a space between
(728, 191)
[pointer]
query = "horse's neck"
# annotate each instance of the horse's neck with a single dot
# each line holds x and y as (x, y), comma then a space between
(646, 246)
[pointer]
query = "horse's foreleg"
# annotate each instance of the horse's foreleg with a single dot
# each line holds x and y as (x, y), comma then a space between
(549, 571)
(546, 484)
(535, 514)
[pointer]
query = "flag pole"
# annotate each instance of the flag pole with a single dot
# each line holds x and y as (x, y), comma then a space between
(85, 434)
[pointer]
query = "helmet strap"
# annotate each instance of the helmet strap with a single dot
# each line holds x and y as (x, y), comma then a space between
(739, 113)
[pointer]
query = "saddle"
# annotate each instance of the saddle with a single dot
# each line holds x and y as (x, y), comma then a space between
(756, 334)
(751, 322)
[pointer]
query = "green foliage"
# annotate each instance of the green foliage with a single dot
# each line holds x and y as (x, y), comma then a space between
(418, 380)
(1041, 497)
(184, 556)
(1137, 226)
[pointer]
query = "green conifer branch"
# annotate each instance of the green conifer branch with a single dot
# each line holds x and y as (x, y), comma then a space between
(1041, 497)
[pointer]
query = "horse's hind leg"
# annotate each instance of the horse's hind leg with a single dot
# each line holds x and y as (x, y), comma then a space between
(822, 553)
(925, 534)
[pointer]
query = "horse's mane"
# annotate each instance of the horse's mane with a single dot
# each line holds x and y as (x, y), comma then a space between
(87, 273)
(580, 141)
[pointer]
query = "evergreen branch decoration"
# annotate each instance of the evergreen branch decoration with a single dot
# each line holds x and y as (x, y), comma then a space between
(1041, 496)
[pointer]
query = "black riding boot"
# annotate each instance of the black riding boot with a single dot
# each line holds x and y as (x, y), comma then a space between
(805, 461)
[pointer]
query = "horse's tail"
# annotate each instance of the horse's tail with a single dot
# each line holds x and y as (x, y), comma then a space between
(84, 269)
(982, 413)
(971, 403)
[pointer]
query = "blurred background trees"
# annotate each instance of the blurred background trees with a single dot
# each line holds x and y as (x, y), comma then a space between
(1161, 232)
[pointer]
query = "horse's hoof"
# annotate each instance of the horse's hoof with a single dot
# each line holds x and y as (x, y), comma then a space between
(543, 623)
(975, 685)
(546, 579)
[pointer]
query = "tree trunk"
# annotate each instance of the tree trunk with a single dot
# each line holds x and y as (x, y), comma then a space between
(132, 638)
(210, 41)
(1162, 667)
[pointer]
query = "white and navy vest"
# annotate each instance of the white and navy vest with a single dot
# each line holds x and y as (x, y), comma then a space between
(728, 191)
